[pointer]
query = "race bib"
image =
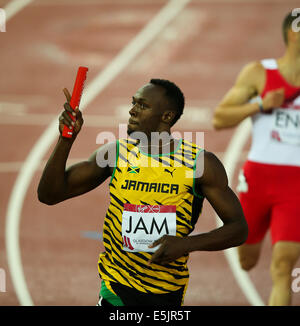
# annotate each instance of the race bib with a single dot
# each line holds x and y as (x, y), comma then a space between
(286, 126)
(143, 224)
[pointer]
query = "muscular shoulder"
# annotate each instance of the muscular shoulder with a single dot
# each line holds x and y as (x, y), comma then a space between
(105, 156)
(253, 75)
(253, 67)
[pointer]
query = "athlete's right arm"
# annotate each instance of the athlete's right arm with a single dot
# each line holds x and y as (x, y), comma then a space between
(58, 183)
(235, 107)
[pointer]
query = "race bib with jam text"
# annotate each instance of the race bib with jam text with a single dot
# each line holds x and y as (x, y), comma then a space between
(143, 224)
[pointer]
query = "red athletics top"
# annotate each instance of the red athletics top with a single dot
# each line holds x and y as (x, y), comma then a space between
(275, 80)
(276, 133)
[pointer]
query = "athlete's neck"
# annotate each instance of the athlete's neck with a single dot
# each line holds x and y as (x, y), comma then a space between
(158, 143)
(289, 65)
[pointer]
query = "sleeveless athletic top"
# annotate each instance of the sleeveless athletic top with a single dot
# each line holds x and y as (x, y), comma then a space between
(150, 196)
(276, 135)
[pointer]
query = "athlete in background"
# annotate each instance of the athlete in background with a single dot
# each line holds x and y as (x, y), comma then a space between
(133, 269)
(268, 91)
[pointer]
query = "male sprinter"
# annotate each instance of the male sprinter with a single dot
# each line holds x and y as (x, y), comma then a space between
(270, 186)
(155, 200)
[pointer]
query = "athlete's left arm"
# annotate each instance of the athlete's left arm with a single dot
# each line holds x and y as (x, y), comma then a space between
(213, 184)
(211, 178)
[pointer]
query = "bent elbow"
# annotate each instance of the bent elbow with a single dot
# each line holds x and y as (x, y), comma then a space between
(217, 123)
(217, 120)
(45, 199)
(222, 119)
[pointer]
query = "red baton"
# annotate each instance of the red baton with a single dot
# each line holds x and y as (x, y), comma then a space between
(76, 96)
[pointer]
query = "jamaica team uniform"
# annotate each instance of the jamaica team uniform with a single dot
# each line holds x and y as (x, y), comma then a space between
(150, 196)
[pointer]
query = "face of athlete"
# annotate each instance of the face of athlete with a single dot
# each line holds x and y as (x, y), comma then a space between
(148, 110)
(294, 37)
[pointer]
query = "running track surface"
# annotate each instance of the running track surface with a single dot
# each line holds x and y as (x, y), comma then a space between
(202, 49)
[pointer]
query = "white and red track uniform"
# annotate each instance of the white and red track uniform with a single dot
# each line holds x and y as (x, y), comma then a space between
(270, 196)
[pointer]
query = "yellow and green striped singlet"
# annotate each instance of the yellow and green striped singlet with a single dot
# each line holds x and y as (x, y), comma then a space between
(144, 179)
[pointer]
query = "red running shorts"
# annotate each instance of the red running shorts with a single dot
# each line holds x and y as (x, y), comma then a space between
(270, 197)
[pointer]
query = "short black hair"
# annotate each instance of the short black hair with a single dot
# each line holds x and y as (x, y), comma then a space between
(174, 95)
(287, 24)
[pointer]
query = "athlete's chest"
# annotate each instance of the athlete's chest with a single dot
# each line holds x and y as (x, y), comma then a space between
(154, 180)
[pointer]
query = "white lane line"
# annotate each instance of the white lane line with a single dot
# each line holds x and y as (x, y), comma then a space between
(139, 43)
(13, 7)
(114, 68)
(231, 157)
